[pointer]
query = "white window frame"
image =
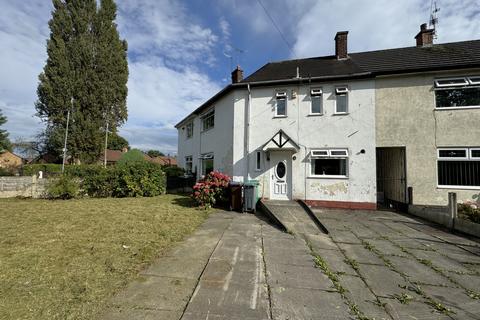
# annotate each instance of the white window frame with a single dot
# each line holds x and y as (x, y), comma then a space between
(205, 116)
(477, 82)
(452, 158)
(189, 130)
(258, 160)
(316, 93)
(341, 91)
(327, 154)
(281, 95)
(468, 157)
(446, 85)
(189, 159)
(471, 154)
(206, 156)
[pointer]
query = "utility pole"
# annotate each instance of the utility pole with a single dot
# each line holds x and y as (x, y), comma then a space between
(65, 142)
(106, 143)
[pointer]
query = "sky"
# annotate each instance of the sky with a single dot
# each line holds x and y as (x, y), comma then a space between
(182, 52)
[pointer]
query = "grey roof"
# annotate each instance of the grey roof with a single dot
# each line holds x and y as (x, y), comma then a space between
(446, 56)
(455, 55)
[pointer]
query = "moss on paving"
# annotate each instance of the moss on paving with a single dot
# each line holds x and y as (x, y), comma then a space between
(64, 259)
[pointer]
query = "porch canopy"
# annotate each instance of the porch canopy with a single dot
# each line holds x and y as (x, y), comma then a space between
(281, 142)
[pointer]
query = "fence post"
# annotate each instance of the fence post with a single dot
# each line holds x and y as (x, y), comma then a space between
(452, 208)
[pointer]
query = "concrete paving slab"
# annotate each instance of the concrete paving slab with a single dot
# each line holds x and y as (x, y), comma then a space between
(229, 248)
(321, 242)
(141, 314)
(294, 303)
(440, 261)
(333, 224)
(358, 253)
(344, 237)
(454, 298)
(159, 293)
(386, 247)
(360, 294)
(291, 276)
(336, 261)
(364, 232)
(414, 310)
(383, 281)
(176, 267)
(288, 256)
(245, 300)
(471, 282)
(409, 243)
(418, 272)
(211, 316)
(227, 271)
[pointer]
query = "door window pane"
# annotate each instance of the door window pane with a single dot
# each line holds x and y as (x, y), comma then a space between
(281, 170)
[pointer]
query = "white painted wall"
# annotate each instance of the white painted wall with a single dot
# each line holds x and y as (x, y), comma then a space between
(354, 131)
(217, 140)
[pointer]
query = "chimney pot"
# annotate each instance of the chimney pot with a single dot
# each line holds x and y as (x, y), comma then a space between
(237, 75)
(425, 36)
(341, 50)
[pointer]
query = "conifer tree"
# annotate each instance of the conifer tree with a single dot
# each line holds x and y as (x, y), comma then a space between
(4, 141)
(86, 73)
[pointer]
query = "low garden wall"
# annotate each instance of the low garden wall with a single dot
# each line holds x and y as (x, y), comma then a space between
(29, 186)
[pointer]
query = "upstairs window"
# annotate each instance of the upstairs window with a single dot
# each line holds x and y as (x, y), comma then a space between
(458, 167)
(189, 129)
(208, 120)
(317, 105)
(461, 92)
(329, 163)
(341, 100)
(281, 104)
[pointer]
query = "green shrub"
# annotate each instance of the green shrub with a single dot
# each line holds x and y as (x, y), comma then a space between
(46, 168)
(133, 155)
(173, 171)
(64, 187)
(5, 172)
(100, 182)
(469, 211)
(143, 179)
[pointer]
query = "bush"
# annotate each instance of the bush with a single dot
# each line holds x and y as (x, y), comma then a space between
(47, 169)
(173, 171)
(65, 187)
(134, 179)
(469, 211)
(5, 172)
(212, 190)
(133, 155)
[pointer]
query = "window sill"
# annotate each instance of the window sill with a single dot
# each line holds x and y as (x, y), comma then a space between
(340, 113)
(315, 114)
(456, 108)
(209, 129)
(274, 117)
(459, 187)
(328, 177)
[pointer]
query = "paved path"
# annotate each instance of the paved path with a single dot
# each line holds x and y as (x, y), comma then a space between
(376, 265)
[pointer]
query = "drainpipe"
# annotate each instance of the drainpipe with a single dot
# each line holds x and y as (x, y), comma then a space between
(247, 131)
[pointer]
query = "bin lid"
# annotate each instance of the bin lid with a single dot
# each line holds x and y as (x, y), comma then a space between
(252, 183)
(235, 183)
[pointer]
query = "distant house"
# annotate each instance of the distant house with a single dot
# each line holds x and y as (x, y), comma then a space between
(10, 161)
(165, 160)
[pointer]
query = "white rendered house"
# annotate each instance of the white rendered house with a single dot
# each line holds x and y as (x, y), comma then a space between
(301, 136)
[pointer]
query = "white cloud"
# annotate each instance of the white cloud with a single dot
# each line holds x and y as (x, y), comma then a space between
(381, 24)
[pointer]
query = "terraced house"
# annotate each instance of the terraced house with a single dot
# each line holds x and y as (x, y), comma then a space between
(349, 130)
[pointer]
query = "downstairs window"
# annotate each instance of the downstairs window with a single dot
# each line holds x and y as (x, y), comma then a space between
(329, 163)
(458, 167)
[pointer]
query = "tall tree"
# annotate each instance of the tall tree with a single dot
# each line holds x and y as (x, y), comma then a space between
(155, 153)
(116, 142)
(4, 141)
(86, 73)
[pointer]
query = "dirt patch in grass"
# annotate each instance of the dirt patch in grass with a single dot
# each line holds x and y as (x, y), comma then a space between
(64, 259)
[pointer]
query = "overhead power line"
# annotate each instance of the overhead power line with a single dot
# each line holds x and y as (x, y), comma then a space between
(276, 27)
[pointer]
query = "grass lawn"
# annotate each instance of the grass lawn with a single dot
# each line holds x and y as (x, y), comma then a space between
(64, 259)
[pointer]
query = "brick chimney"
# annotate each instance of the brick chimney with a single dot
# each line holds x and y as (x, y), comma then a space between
(425, 36)
(237, 75)
(341, 51)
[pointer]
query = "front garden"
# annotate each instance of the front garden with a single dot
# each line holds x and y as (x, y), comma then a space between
(64, 259)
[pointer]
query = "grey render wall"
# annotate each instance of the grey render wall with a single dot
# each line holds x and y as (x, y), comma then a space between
(406, 116)
(21, 187)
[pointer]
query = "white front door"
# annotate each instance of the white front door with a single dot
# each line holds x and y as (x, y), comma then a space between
(280, 182)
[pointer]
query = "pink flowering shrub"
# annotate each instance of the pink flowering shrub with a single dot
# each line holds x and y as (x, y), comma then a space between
(211, 190)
